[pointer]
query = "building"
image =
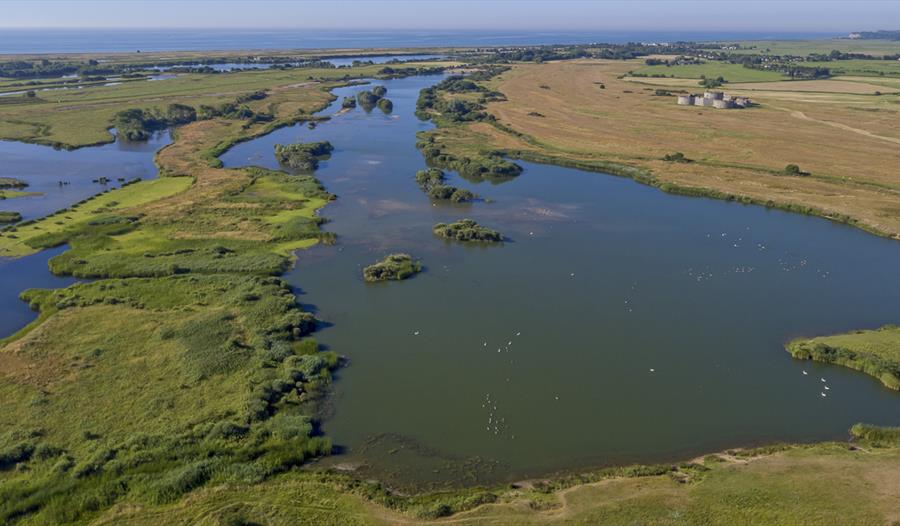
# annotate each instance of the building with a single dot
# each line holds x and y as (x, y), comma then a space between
(722, 104)
(714, 99)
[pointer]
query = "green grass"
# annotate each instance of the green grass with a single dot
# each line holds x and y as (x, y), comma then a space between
(74, 118)
(19, 242)
(862, 68)
(712, 69)
(806, 47)
(874, 352)
(147, 388)
(827, 484)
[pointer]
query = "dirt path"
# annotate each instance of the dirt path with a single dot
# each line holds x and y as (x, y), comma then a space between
(800, 115)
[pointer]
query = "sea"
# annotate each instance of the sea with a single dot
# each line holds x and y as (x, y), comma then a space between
(21, 41)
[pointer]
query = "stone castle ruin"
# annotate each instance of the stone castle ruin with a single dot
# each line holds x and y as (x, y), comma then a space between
(714, 99)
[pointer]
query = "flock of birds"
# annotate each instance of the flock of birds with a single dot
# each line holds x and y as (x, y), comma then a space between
(785, 263)
(825, 385)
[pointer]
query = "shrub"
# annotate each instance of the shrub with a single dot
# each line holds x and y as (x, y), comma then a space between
(467, 230)
(392, 267)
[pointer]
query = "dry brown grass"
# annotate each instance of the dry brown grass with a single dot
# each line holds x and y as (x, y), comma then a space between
(853, 87)
(843, 140)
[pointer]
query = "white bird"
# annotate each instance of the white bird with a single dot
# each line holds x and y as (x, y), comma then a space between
(823, 395)
(416, 333)
(531, 233)
(827, 388)
(652, 370)
(518, 334)
(823, 380)
(572, 274)
(557, 397)
(805, 373)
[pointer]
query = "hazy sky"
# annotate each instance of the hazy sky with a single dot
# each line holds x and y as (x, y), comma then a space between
(767, 15)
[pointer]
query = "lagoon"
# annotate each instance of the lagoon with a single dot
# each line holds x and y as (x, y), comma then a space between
(620, 324)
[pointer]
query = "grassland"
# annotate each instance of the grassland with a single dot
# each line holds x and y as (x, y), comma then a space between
(803, 48)
(828, 484)
(74, 118)
(863, 68)
(185, 362)
(875, 352)
(711, 69)
(624, 128)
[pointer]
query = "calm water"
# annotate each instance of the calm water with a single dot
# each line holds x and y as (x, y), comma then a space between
(337, 61)
(620, 324)
(44, 167)
(129, 40)
(21, 274)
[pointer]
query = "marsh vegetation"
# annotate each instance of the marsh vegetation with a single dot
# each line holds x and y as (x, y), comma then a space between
(303, 156)
(467, 230)
(394, 267)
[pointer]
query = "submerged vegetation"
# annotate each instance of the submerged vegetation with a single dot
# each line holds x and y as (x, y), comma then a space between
(303, 156)
(875, 352)
(467, 230)
(393, 267)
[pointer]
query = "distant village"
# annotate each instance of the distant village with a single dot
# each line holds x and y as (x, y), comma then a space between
(714, 99)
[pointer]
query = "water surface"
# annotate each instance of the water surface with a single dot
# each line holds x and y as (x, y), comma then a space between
(619, 324)
(44, 168)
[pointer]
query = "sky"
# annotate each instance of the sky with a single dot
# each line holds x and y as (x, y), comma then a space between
(712, 15)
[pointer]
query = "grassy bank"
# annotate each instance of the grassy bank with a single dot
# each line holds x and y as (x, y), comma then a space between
(829, 484)
(874, 352)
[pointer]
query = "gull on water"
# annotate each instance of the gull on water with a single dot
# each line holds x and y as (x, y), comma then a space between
(805, 373)
(823, 395)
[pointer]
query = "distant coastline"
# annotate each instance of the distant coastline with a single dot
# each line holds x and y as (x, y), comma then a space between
(14, 41)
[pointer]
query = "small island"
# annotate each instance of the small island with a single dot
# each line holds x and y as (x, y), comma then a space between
(385, 105)
(369, 99)
(467, 230)
(10, 217)
(11, 188)
(7, 183)
(431, 181)
(394, 267)
(303, 156)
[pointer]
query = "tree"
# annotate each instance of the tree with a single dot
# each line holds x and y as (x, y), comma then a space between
(793, 169)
